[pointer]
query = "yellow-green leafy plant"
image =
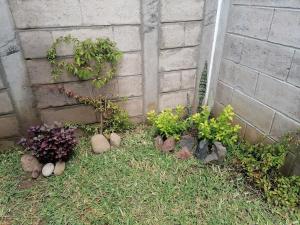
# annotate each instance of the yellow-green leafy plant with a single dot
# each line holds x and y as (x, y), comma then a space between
(169, 123)
(216, 129)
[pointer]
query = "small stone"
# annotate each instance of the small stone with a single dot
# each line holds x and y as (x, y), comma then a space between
(100, 144)
(59, 168)
(115, 140)
(188, 141)
(220, 150)
(211, 158)
(158, 141)
(184, 154)
(48, 169)
(29, 163)
(168, 145)
(202, 150)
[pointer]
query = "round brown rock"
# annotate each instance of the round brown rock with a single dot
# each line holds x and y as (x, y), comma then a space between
(29, 163)
(59, 168)
(99, 144)
(115, 140)
(169, 145)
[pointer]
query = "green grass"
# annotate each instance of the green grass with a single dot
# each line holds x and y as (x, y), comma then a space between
(134, 184)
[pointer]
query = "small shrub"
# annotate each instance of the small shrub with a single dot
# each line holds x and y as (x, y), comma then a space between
(50, 143)
(169, 123)
(216, 129)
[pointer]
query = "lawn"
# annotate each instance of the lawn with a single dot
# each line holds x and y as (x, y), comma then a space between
(134, 184)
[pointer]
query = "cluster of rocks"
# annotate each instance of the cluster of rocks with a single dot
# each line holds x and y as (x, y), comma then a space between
(189, 146)
(101, 144)
(31, 165)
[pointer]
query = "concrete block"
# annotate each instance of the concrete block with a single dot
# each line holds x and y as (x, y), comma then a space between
(283, 125)
(110, 89)
(294, 75)
(5, 103)
(238, 121)
(170, 81)
(44, 13)
(7, 32)
(217, 109)
(279, 95)
(107, 12)
(176, 59)
(133, 106)
(224, 93)
(173, 99)
(188, 79)
(246, 79)
(274, 3)
(227, 74)
(172, 35)
(127, 38)
(9, 126)
(252, 111)
(233, 46)
(250, 21)
(130, 86)
(1, 83)
(285, 27)
(253, 135)
(178, 10)
(268, 58)
(192, 33)
(79, 114)
(35, 43)
(131, 64)
(210, 12)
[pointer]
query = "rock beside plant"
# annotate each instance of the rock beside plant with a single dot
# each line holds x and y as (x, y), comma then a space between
(218, 153)
(29, 163)
(59, 168)
(100, 144)
(184, 154)
(202, 150)
(158, 142)
(168, 145)
(48, 169)
(189, 142)
(115, 140)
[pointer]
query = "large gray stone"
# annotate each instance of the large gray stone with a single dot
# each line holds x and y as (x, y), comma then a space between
(294, 77)
(5, 103)
(99, 144)
(283, 125)
(249, 21)
(268, 58)
(279, 95)
(170, 81)
(285, 27)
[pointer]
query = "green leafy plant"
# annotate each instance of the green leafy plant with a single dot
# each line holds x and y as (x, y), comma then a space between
(96, 60)
(216, 129)
(262, 163)
(169, 123)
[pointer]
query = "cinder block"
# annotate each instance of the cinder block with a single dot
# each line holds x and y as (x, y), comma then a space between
(178, 10)
(107, 12)
(110, 89)
(133, 106)
(170, 81)
(7, 32)
(279, 95)
(5, 103)
(188, 79)
(268, 58)
(217, 109)
(176, 59)
(35, 43)
(79, 114)
(250, 21)
(294, 77)
(246, 79)
(252, 111)
(283, 125)
(238, 121)
(233, 46)
(227, 74)
(44, 13)
(253, 135)
(274, 3)
(172, 35)
(130, 86)
(285, 27)
(224, 93)
(127, 38)
(9, 126)
(131, 64)
(210, 12)
(173, 99)
(192, 33)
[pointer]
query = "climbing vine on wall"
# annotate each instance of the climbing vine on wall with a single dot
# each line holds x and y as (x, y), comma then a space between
(96, 60)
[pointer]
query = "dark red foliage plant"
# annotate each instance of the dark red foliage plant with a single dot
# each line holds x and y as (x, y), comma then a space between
(50, 143)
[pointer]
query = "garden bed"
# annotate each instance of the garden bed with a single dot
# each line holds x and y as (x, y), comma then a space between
(133, 184)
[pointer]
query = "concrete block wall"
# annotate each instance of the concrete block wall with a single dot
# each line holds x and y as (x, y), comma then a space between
(260, 68)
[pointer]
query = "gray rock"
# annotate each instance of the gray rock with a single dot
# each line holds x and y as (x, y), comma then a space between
(213, 157)
(189, 142)
(220, 150)
(59, 168)
(202, 150)
(115, 140)
(100, 144)
(169, 145)
(29, 163)
(158, 141)
(48, 169)
(184, 154)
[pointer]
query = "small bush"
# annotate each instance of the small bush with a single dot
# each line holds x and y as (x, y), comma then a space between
(50, 143)
(216, 129)
(169, 123)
